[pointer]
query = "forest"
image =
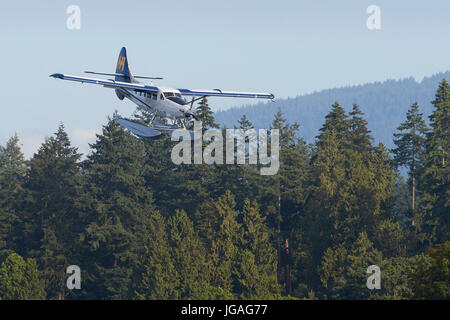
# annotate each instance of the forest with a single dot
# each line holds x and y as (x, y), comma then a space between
(141, 227)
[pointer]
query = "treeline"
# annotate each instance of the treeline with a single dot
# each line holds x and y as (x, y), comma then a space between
(140, 227)
(376, 99)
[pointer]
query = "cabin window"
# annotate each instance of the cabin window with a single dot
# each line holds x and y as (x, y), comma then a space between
(172, 94)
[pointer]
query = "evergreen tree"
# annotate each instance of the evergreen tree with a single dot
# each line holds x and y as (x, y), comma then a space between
(281, 196)
(362, 255)
(390, 238)
(245, 123)
(19, 279)
(401, 208)
(350, 192)
(122, 208)
(336, 120)
(188, 257)
(12, 177)
(257, 259)
(431, 278)
(205, 114)
(333, 272)
(224, 248)
(54, 209)
(359, 136)
(343, 271)
(435, 175)
(155, 275)
(396, 282)
(293, 183)
(54, 257)
(325, 203)
(241, 179)
(410, 142)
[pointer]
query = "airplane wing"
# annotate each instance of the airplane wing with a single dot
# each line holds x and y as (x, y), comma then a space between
(229, 94)
(107, 83)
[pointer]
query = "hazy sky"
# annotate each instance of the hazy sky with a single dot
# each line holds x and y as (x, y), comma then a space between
(285, 47)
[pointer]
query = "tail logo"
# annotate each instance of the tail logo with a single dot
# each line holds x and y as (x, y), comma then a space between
(121, 63)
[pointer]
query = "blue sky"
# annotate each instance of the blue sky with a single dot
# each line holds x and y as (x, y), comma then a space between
(285, 47)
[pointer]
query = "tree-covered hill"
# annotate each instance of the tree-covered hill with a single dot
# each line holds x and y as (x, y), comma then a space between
(383, 103)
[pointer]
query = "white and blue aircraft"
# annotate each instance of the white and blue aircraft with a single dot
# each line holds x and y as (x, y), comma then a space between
(159, 101)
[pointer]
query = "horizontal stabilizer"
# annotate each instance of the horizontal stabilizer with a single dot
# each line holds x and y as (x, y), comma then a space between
(121, 75)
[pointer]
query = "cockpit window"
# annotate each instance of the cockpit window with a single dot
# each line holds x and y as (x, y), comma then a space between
(175, 97)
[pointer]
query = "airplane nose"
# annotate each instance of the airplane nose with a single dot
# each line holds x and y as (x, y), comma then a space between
(189, 113)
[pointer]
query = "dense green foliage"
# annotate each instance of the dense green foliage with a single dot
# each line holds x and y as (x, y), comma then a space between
(141, 227)
(19, 279)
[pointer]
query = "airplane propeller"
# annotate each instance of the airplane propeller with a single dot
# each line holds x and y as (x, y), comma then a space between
(189, 113)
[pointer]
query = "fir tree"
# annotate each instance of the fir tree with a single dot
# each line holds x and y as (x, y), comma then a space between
(343, 271)
(431, 278)
(188, 257)
(155, 275)
(19, 279)
(224, 248)
(350, 191)
(241, 179)
(54, 209)
(435, 175)
(122, 207)
(244, 123)
(205, 114)
(336, 120)
(257, 259)
(282, 196)
(410, 142)
(359, 135)
(12, 177)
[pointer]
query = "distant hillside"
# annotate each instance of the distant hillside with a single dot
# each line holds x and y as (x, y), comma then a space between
(384, 104)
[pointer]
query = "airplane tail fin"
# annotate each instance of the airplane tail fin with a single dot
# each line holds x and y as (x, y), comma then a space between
(122, 67)
(124, 71)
